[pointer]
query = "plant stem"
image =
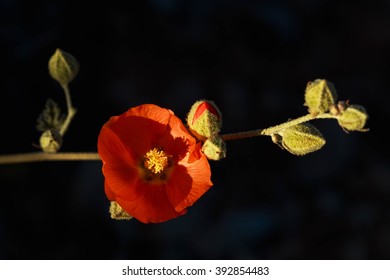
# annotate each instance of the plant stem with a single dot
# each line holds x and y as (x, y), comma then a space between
(275, 129)
(71, 109)
(40, 156)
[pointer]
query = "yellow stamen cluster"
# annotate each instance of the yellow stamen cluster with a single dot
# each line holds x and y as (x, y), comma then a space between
(156, 161)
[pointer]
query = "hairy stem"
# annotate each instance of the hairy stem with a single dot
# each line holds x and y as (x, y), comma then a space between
(275, 129)
(40, 156)
(71, 109)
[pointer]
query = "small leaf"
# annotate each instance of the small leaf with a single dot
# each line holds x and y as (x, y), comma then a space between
(63, 67)
(320, 95)
(302, 139)
(50, 117)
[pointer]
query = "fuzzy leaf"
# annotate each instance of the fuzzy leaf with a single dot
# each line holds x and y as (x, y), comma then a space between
(51, 117)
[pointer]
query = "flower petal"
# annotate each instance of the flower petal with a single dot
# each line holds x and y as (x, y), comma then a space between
(148, 121)
(178, 142)
(112, 150)
(152, 206)
(129, 129)
(150, 111)
(121, 182)
(188, 182)
(109, 193)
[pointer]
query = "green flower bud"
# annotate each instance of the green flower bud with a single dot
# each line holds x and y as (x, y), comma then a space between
(50, 141)
(302, 139)
(63, 67)
(204, 119)
(320, 95)
(117, 212)
(214, 148)
(353, 118)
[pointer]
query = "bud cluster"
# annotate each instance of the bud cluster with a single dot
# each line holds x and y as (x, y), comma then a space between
(63, 67)
(204, 120)
(321, 97)
(300, 138)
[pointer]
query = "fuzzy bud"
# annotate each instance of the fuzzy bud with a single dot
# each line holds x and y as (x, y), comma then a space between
(302, 139)
(50, 141)
(320, 95)
(214, 148)
(353, 118)
(63, 67)
(204, 119)
(117, 212)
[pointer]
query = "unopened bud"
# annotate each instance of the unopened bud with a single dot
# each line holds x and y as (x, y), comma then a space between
(302, 139)
(50, 141)
(63, 67)
(204, 119)
(214, 148)
(320, 95)
(353, 118)
(117, 212)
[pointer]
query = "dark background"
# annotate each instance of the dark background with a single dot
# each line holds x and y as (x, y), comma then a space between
(254, 59)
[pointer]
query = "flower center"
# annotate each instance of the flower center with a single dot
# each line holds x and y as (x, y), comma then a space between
(156, 161)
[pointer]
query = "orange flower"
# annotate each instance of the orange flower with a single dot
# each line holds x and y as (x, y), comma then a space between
(153, 167)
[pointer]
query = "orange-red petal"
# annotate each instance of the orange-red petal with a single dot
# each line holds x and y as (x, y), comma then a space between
(153, 206)
(112, 149)
(188, 182)
(140, 133)
(178, 142)
(122, 143)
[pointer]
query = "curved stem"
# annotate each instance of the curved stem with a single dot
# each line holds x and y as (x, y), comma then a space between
(275, 129)
(71, 109)
(40, 156)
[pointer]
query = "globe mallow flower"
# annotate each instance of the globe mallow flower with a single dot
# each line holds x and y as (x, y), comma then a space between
(154, 168)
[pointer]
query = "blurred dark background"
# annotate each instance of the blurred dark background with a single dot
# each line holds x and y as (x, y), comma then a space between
(254, 59)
